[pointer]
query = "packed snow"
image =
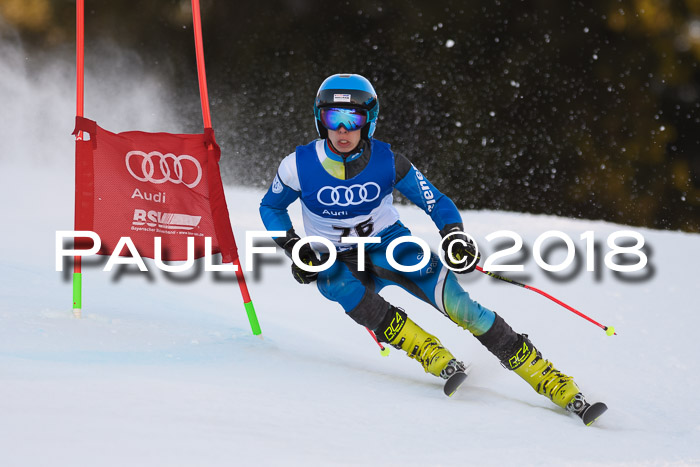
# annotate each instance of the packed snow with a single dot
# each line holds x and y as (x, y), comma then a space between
(163, 369)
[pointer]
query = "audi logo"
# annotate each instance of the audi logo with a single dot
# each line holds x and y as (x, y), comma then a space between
(352, 195)
(176, 174)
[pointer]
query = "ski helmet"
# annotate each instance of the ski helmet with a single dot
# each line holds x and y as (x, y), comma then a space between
(347, 91)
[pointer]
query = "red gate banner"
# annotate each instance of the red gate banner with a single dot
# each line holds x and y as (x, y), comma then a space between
(144, 185)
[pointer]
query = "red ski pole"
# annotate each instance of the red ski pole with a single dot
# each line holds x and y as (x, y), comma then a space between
(609, 330)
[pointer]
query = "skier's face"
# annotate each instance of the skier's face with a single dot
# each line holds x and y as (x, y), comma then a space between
(343, 140)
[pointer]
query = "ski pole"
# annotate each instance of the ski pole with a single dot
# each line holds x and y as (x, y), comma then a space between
(609, 330)
(384, 351)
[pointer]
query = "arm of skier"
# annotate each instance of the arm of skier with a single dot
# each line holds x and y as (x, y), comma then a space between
(283, 191)
(418, 189)
(273, 207)
(414, 186)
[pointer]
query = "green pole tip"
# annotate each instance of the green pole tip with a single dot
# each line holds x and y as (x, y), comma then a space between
(252, 318)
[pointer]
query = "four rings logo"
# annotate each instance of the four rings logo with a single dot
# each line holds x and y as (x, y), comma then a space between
(171, 168)
(352, 195)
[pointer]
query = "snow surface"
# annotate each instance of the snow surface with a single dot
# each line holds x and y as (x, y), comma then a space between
(163, 369)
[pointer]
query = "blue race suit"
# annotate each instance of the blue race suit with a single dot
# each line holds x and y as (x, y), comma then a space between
(360, 204)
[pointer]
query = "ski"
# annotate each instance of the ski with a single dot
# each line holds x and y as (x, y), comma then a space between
(587, 412)
(591, 413)
(454, 382)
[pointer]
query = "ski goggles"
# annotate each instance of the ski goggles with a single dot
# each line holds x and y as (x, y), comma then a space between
(352, 119)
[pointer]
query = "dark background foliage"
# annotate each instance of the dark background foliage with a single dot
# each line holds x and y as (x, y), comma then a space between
(579, 109)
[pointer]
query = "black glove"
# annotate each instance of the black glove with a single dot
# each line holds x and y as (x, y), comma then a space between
(463, 250)
(306, 255)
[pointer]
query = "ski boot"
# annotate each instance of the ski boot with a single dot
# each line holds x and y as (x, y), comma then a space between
(399, 331)
(527, 362)
(561, 389)
(516, 353)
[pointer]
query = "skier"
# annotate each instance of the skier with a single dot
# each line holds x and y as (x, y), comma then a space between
(345, 182)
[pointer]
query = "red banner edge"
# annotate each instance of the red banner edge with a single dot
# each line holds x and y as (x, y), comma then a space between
(217, 201)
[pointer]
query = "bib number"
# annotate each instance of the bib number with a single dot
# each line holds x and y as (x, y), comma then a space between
(363, 229)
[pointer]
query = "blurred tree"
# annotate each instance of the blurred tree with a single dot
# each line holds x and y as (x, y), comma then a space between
(581, 109)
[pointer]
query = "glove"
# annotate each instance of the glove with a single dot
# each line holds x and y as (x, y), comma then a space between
(306, 255)
(463, 249)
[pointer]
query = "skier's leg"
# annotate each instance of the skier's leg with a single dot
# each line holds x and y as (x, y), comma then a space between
(357, 294)
(460, 308)
(400, 331)
(515, 351)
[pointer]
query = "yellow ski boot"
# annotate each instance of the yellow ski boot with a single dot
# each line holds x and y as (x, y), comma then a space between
(402, 333)
(516, 352)
(540, 373)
